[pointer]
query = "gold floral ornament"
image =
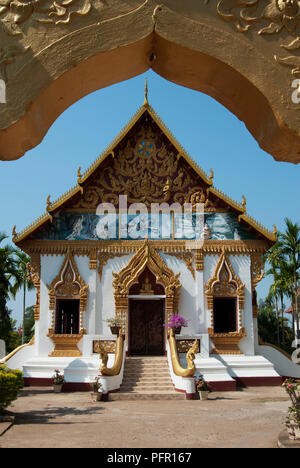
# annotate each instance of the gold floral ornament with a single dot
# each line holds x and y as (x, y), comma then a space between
(282, 14)
(8, 55)
(285, 14)
(16, 12)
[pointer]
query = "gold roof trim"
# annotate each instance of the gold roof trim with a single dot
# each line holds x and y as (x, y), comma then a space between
(17, 237)
(272, 236)
(227, 199)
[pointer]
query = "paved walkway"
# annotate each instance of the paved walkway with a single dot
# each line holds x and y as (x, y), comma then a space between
(248, 418)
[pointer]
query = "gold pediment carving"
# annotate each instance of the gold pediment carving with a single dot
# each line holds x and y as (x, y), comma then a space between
(224, 282)
(68, 283)
(146, 169)
(146, 256)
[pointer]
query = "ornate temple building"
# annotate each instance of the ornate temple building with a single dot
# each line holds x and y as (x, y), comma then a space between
(142, 262)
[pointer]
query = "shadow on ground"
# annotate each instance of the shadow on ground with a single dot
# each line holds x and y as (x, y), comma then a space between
(48, 416)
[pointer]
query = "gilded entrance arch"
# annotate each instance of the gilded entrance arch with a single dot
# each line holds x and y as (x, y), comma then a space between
(225, 48)
(146, 256)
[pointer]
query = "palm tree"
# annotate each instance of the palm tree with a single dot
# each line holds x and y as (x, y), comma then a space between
(8, 272)
(276, 260)
(268, 324)
(289, 244)
(22, 282)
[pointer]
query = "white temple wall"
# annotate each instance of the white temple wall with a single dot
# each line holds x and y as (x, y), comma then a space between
(88, 277)
(241, 265)
(50, 266)
(101, 302)
(188, 292)
(105, 301)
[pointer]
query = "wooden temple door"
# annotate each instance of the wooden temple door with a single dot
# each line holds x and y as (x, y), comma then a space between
(146, 331)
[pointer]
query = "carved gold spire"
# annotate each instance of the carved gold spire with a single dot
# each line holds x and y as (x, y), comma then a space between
(14, 233)
(79, 179)
(79, 176)
(146, 103)
(244, 203)
(48, 202)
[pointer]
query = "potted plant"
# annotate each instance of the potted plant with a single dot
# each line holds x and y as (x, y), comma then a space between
(292, 387)
(115, 324)
(58, 380)
(175, 323)
(203, 388)
(97, 389)
(293, 423)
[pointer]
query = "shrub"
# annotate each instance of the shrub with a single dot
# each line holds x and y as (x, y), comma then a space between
(10, 383)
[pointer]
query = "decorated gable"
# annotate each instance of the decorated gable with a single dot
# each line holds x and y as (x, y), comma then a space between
(145, 185)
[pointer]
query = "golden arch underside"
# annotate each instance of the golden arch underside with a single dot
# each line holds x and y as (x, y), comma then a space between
(224, 48)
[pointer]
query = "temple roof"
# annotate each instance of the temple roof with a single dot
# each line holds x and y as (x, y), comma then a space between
(82, 179)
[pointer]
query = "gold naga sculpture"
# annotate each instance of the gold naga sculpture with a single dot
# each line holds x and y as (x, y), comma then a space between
(116, 368)
(190, 357)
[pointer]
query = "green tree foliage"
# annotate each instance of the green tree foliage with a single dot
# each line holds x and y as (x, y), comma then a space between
(11, 381)
(268, 323)
(22, 283)
(8, 274)
(283, 265)
(13, 278)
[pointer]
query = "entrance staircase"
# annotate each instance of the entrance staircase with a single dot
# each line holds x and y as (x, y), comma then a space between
(147, 378)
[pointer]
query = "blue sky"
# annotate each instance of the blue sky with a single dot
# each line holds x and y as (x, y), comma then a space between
(213, 136)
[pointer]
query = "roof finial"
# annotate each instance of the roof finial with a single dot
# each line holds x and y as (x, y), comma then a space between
(14, 233)
(48, 201)
(244, 203)
(146, 103)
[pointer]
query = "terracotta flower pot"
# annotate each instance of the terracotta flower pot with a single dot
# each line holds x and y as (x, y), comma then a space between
(57, 388)
(291, 429)
(203, 395)
(297, 432)
(96, 396)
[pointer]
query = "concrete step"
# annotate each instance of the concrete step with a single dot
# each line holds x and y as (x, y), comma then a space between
(148, 380)
(146, 388)
(147, 375)
(147, 396)
(146, 366)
